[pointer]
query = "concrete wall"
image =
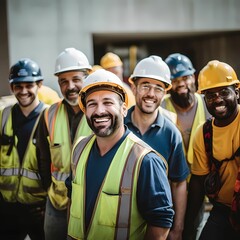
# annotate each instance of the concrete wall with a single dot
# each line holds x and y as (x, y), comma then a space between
(41, 29)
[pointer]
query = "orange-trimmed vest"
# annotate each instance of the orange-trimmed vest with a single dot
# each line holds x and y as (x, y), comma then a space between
(18, 182)
(200, 118)
(57, 122)
(115, 215)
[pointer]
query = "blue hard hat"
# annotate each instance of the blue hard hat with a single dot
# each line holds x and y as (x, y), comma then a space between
(179, 65)
(25, 70)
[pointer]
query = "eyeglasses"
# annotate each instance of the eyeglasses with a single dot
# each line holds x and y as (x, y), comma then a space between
(146, 87)
(210, 96)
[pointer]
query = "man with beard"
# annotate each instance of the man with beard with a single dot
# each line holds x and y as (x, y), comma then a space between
(22, 198)
(150, 81)
(188, 105)
(216, 147)
(59, 127)
(184, 101)
(120, 188)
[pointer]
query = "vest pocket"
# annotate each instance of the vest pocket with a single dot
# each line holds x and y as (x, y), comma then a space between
(109, 202)
(76, 198)
(56, 155)
(4, 158)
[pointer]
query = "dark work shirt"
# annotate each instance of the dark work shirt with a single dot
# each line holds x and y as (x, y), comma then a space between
(23, 127)
(73, 118)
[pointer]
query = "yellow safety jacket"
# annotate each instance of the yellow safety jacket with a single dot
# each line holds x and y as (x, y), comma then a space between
(60, 149)
(20, 183)
(200, 118)
(115, 215)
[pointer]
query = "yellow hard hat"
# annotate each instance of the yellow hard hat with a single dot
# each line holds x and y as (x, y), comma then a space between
(101, 80)
(95, 67)
(110, 60)
(216, 74)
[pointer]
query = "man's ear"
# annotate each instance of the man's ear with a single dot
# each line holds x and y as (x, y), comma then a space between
(124, 109)
(237, 92)
(39, 83)
(134, 88)
(11, 87)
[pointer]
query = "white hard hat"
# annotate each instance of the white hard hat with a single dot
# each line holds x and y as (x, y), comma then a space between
(152, 67)
(101, 80)
(71, 59)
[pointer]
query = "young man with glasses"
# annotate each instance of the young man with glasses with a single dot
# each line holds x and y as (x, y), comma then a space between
(219, 84)
(150, 81)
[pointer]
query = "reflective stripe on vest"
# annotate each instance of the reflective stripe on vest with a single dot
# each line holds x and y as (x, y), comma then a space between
(51, 116)
(5, 113)
(124, 210)
(9, 171)
(60, 176)
(78, 148)
(22, 172)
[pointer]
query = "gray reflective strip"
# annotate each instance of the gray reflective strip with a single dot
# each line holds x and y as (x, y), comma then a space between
(60, 176)
(29, 174)
(9, 171)
(51, 114)
(79, 148)
(5, 115)
(124, 210)
(16, 171)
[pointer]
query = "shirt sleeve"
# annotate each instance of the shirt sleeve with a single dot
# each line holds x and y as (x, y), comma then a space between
(153, 192)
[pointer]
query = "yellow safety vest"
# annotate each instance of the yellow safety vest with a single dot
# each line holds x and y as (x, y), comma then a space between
(115, 215)
(20, 183)
(200, 118)
(60, 149)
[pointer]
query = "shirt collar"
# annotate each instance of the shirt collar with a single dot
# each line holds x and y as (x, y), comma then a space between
(158, 122)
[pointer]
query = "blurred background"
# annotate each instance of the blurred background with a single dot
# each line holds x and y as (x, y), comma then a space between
(40, 29)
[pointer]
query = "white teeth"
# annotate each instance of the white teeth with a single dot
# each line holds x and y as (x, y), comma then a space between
(220, 108)
(149, 101)
(99, 120)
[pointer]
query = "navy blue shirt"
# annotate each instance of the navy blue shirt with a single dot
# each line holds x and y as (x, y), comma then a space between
(23, 127)
(164, 137)
(153, 190)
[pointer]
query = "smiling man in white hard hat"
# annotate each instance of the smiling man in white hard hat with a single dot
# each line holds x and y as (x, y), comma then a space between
(59, 127)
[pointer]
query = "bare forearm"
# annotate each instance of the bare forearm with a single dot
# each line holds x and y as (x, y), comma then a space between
(156, 233)
(179, 196)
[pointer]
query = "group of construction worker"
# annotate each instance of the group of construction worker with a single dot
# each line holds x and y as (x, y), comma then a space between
(117, 160)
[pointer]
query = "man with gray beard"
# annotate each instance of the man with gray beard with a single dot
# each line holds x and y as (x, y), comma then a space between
(59, 127)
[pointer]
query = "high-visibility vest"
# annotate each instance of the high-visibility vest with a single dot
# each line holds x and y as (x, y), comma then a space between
(200, 118)
(57, 122)
(18, 182)
(115, 215)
